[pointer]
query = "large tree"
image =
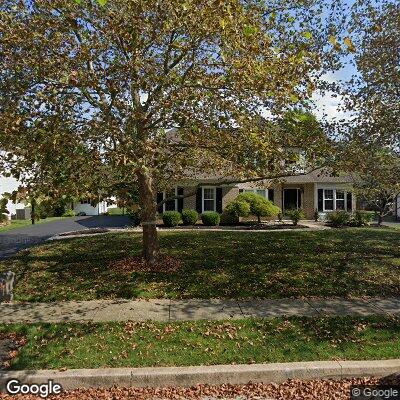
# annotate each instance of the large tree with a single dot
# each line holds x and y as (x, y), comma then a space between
(376, 177)
(373, 94)
(152, 89)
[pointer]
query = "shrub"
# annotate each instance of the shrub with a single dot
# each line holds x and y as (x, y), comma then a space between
(69, 213)
(171, 218)
(190, 217)
(338, 218)
(210, 218)
(316, 215)
(135, 215)
(259, 206)
(280, 217)
(295, 215)
(3, 218)
(238, 208)
(360, 218)
(228, 219)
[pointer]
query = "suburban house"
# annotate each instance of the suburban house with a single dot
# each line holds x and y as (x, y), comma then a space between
(397, 208)
(23, 211)
(87, 207)
(19, 210)
(317, 190)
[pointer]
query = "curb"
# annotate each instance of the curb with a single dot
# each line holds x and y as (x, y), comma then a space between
(213, 375)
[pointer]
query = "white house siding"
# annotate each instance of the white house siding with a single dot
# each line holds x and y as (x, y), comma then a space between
(88, 209)
(8, 185)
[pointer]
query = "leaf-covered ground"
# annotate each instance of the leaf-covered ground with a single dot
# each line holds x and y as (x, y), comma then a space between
(137, 344)
(342, 262)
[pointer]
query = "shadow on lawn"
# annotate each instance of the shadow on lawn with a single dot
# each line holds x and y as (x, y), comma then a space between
(216, 264)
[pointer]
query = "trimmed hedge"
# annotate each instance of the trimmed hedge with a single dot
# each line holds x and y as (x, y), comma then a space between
(238, 208)
(210, 218)
(189, 217)
(171, 218)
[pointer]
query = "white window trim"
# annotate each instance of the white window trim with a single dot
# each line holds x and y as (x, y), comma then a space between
(164, 193)
(334, 189)
(254, 190)
(202, 197)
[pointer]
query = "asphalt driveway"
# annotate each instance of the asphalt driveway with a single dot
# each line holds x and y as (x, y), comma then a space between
(15, 240)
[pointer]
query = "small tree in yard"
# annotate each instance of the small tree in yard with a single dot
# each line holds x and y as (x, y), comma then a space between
(377, 182)
(89, 90)
(259, 206)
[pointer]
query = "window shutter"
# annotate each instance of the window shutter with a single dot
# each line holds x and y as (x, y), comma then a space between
(219, 200)
(349, 201)
(320, 200)
(160, 197)
(271, 195)
(180, 201)
(199, 200)
(299, 205)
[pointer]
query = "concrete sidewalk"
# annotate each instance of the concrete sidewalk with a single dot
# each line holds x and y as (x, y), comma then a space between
(194, 309)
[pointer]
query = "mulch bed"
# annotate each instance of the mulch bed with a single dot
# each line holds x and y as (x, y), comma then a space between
(290, 390)
(9, 346)
(261, 227)
(138, 264)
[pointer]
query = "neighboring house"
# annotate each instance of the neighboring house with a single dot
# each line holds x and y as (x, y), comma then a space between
(397, 208)
(19, 210)
(88, 208)
(314, 191)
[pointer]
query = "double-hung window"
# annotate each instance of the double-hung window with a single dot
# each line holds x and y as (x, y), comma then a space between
(340, 200)
(209, 199)
(328, 200)
(335, 199)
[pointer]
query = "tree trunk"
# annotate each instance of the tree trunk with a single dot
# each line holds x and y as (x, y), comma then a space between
(147, 201)
(380, 219)
(33, 211)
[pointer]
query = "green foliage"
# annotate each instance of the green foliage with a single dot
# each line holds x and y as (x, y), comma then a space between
(189, 217)
(295, 215)
(171, 218)
(3, 218)
(135, 215)
(3, 205)
(69, 213)
(238, 208)
(338, 218)
(360, 218)
(210, 218)
(259, 206)
(228, 219)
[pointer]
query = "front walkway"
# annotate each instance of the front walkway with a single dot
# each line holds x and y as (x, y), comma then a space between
(194, 309)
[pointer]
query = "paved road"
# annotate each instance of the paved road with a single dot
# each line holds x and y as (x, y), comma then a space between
(17, 239)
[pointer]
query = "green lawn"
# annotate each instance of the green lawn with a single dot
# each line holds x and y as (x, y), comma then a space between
(195, 343)
(20, 223)
(340, 262)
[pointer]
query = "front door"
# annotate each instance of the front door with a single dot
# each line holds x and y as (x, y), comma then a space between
(291, 199)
